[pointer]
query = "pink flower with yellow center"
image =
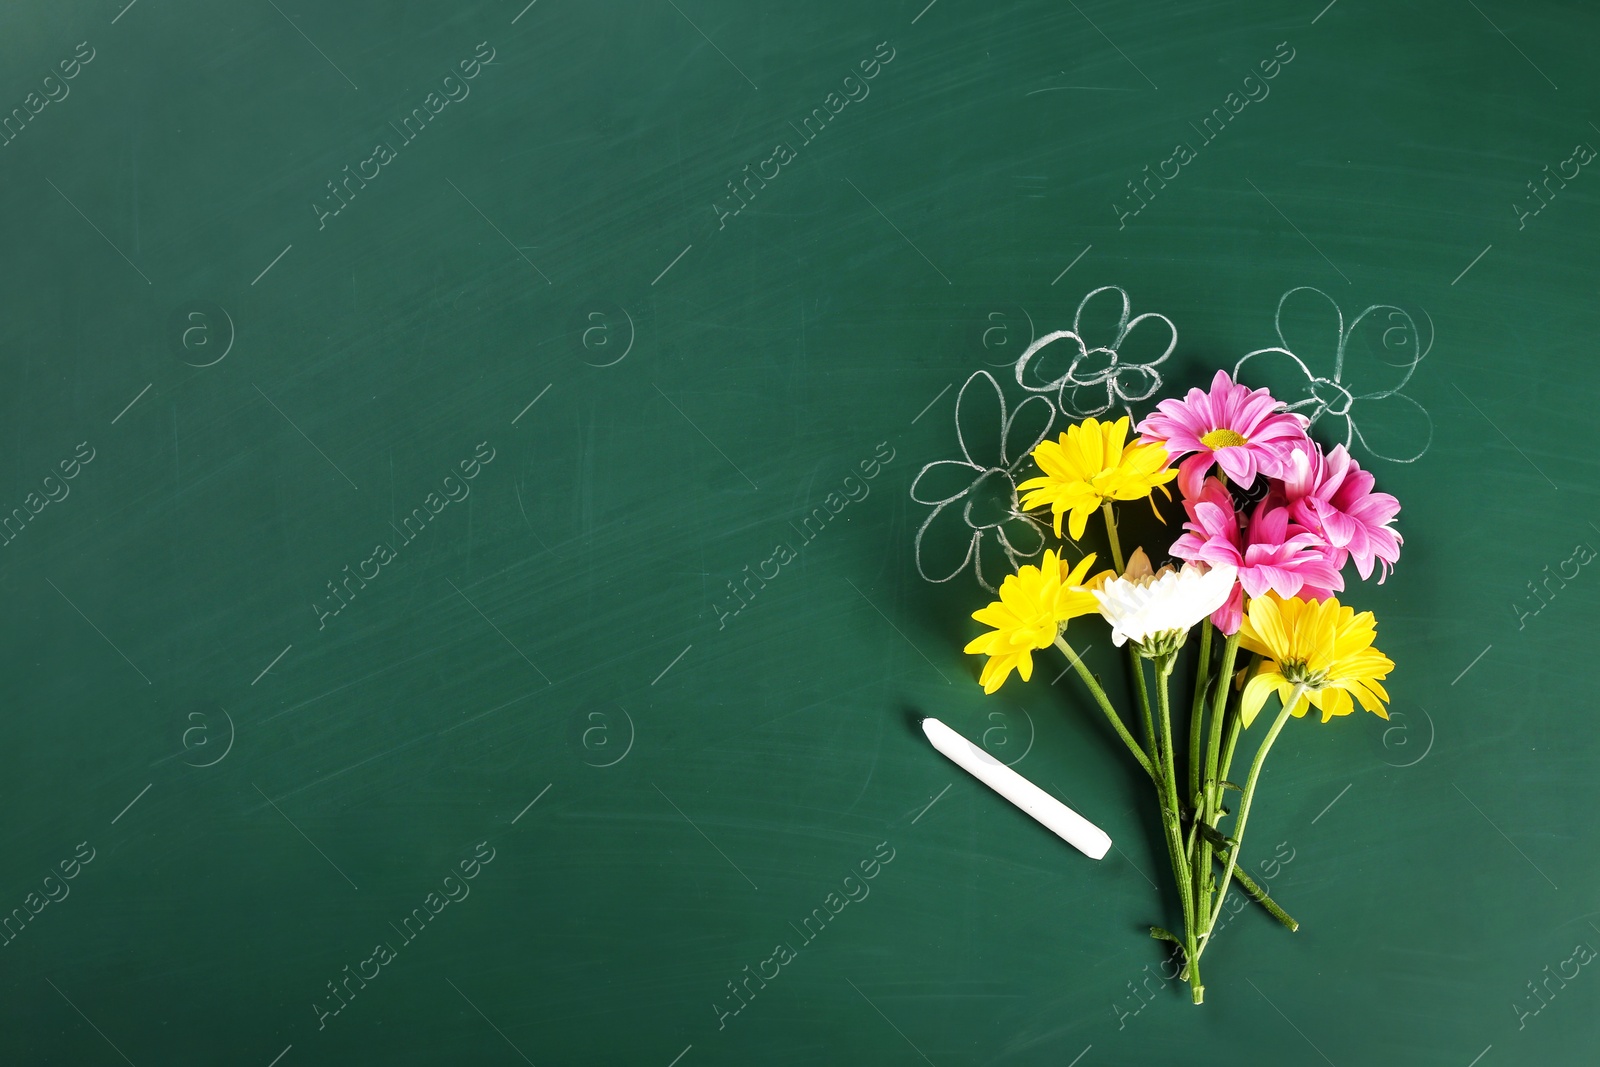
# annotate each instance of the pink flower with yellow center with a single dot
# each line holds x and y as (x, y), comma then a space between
(1245, 432)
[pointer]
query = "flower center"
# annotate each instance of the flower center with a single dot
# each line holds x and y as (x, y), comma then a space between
(990, 501)
(1222, 437)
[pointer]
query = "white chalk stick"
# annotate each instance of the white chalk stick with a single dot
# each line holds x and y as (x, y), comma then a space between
(1061, 820)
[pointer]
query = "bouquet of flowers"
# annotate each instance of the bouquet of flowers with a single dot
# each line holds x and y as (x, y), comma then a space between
(1273, 520)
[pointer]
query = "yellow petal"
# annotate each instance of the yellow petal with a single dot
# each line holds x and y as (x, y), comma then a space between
(1335, 702)
(1256, 690)
(1080, 520)
(994, 672)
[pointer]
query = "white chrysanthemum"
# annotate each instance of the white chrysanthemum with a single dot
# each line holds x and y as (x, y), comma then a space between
(1143, 604)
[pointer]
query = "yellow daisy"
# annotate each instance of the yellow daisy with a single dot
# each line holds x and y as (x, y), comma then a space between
(1322, 646)
(1090, 465)
(1033, 604)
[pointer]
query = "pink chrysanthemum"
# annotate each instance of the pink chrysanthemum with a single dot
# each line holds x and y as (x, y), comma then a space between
(1332, 496)
(1273, 552)
(1245, 432)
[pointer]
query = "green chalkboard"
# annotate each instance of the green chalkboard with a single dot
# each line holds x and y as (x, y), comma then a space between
(464, 600)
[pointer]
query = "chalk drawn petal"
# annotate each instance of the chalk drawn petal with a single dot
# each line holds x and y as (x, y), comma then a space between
(1382, 349)
(1150, 339)
(943, 480)
(1310, 325)
(1102, 318)
(1281, 371)
(1029, 424)
(1332, 428)
(945, 544)
(994, 561)
(1023, 538)
(1047, 363)
(1093, 367)
(1135, 383)
(980, 419)
(1083, 401)
(1394, 427)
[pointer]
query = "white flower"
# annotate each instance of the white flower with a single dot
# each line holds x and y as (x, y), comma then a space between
(1143, 604)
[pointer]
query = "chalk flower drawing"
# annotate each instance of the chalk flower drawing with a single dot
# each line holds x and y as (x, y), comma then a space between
(1369, 362)
(1092, 379)
(974, 498)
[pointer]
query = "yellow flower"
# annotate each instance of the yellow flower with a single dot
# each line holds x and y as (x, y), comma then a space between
(1323, 646)
(1091, 465)
(1033, 604)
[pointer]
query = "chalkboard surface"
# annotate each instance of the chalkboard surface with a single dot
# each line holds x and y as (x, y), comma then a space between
(464, 601)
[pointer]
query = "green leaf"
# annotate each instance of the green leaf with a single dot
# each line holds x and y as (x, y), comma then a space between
(1164, 935)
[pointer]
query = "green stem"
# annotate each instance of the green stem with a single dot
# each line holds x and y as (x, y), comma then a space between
(1211, 800)
(1234, 725)
(1244, 804)
(1169, 815)
(1111, 534)
(1137, 663)
(1211, 838)
(1197, 710)
(1100, 697)
(1197, 850)
(1259, 895)
(1133, 655)
(1219, 706)
(1224, 683)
